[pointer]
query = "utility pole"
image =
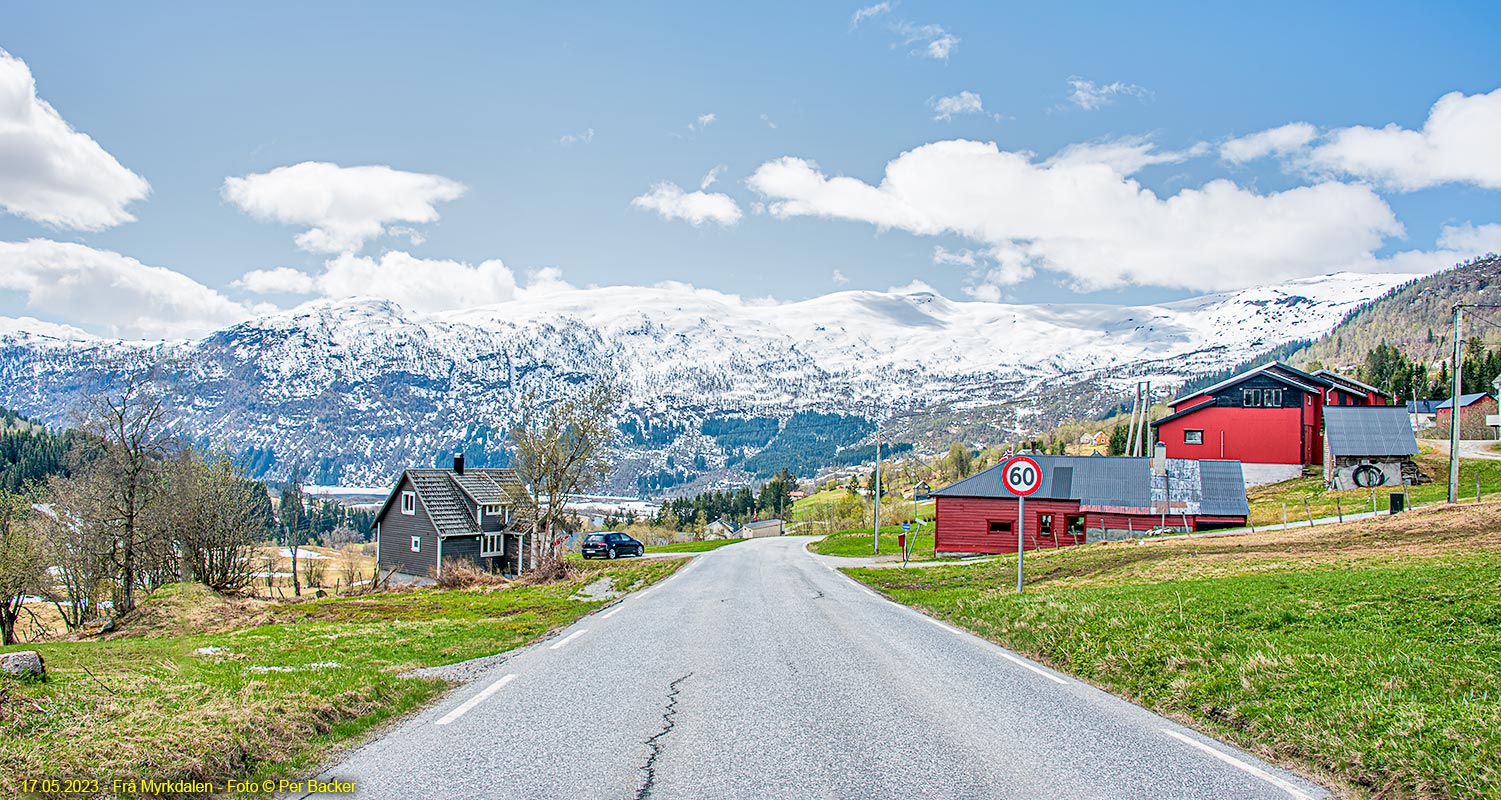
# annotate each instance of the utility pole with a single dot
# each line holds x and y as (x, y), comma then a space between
(877, 536)
(1454, 409)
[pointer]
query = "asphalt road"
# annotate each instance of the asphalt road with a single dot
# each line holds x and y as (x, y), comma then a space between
(759, 672)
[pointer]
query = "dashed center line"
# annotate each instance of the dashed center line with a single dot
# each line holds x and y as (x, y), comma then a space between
(566, 639)
(475, 700)
(1242, 765)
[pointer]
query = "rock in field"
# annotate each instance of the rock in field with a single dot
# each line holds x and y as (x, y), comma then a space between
(25, 663)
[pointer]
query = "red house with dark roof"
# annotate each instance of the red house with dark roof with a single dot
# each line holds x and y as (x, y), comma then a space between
(1270, 418)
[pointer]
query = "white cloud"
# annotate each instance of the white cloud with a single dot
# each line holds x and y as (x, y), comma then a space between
(671, 202)
(932, 40)
(1274, 142)
(281, 280)
(863, 14)
(703, 121)
(342, 207)
(421, 284)
(966, 102)
(50, 172)
(1458, 144)
(1126, 155)
(712, 177)
(577, 138)
(1089, 95)
(1094, 224)
(839, 278)
(111, 292)
(767, 119)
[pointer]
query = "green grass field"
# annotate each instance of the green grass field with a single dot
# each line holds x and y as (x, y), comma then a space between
(1363, 654)
(1267, 501)
(318, 673)
(856, 544)
(691, 547)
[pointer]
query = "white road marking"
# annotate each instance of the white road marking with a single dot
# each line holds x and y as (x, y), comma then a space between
(1050, 676)
(566, 639)
(1241, 765)
(612, 612)
(642, 593)
(475, 700)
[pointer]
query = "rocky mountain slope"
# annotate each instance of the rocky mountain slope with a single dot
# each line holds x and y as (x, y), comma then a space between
(716, 388)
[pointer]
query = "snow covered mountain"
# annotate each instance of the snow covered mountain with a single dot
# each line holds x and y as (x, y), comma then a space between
(357, 389)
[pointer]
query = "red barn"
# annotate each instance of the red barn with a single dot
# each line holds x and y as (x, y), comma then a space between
(1090, 498)
(1473, 408)
(1271, 416)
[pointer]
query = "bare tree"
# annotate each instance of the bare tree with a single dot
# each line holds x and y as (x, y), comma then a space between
(23, 562)
(219, 522)
(131, 438)
(560, 451)
(294, 522)
(78, 547)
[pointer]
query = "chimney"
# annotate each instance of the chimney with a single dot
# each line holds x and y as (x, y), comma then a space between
(1159, 459)
(458, 463)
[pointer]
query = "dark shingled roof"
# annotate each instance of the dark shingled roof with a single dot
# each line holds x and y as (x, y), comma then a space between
(442, 492)
(1369, 431)
(1125, 485)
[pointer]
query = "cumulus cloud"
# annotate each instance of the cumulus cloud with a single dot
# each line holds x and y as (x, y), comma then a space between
(966, 102)
(421, 284)
(931, 41)
(113, 293)
(1092, 223)
(712, 177)
(281, 280)
(1279, 141)
(865, 13)
(671, 202)
(1126, 155)
(577, 138)
(1089, 95)
(50, 172)
(341, 207)
(1457, 144)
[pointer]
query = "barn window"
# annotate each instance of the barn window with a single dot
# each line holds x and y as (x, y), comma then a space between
(416, 544)
(1250, 398)
(408, 502)
(1075, 526)
(1000, 526)
(1044, 524)
(1193, 437)
(492, 544)
(1272, 398)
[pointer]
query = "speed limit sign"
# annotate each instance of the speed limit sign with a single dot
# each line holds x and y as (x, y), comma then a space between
(1021, 476)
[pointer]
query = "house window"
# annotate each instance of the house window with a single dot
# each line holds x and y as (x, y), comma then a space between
(1272, 398)
(1075, 526)
(1044, 524)
(416, 544)
(501, 511)
(1250, 398)
(408, 502)
(1193, 437)
(492, 544)
(1000, 526)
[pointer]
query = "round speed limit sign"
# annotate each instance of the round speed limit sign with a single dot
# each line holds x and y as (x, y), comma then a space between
(1021, 476)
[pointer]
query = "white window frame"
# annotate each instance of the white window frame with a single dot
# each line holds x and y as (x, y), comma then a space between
(1189, 438)
(409, 503)
(416, 544)
(486, 540)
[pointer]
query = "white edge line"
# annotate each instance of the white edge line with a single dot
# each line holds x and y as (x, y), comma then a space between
(1241, 765)
(570, 637)
(612, 612)
(1043, 673)
(475, 700)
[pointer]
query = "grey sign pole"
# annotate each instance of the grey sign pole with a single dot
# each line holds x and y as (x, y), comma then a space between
(1021, 538)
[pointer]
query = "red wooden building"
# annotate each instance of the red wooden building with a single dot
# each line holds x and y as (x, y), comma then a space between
(1269, 415)
(1473, 408)
(1089, 498)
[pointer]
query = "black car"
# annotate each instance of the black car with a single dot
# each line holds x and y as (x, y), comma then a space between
(612, 545)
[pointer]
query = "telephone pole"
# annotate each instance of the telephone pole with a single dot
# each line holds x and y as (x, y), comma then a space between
(1454, 409)
(877, 537)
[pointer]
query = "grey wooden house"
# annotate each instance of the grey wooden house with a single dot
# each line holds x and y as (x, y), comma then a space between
(433, 515)
(1369, 446)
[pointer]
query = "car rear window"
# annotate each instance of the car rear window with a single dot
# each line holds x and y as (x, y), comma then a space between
(598, 537)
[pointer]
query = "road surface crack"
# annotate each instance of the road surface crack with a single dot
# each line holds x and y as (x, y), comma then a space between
(649, 769)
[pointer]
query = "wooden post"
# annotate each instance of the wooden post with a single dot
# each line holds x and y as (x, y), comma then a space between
(1284, 516)
(1477, 483)
(1308, 511)
(1373, 501)
(1339, 510)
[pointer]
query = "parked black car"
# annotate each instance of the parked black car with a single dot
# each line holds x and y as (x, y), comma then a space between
(611, 545)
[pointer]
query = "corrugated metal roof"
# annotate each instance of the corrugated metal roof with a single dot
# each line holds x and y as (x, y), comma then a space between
(1464, 400)
(1369, 431)
(1116, 482)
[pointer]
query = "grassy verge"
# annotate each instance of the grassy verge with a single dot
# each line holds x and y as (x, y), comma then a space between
(857, 544)
(1364, 653)
(1267, 501)
(279, 694)
(691, 547)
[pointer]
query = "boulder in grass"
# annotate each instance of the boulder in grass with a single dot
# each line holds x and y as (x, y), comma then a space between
(24, 664)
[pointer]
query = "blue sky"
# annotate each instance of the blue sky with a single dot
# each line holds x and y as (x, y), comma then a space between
(185, 96)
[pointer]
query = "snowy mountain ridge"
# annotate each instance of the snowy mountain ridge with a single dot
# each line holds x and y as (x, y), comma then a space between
(358, 389)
